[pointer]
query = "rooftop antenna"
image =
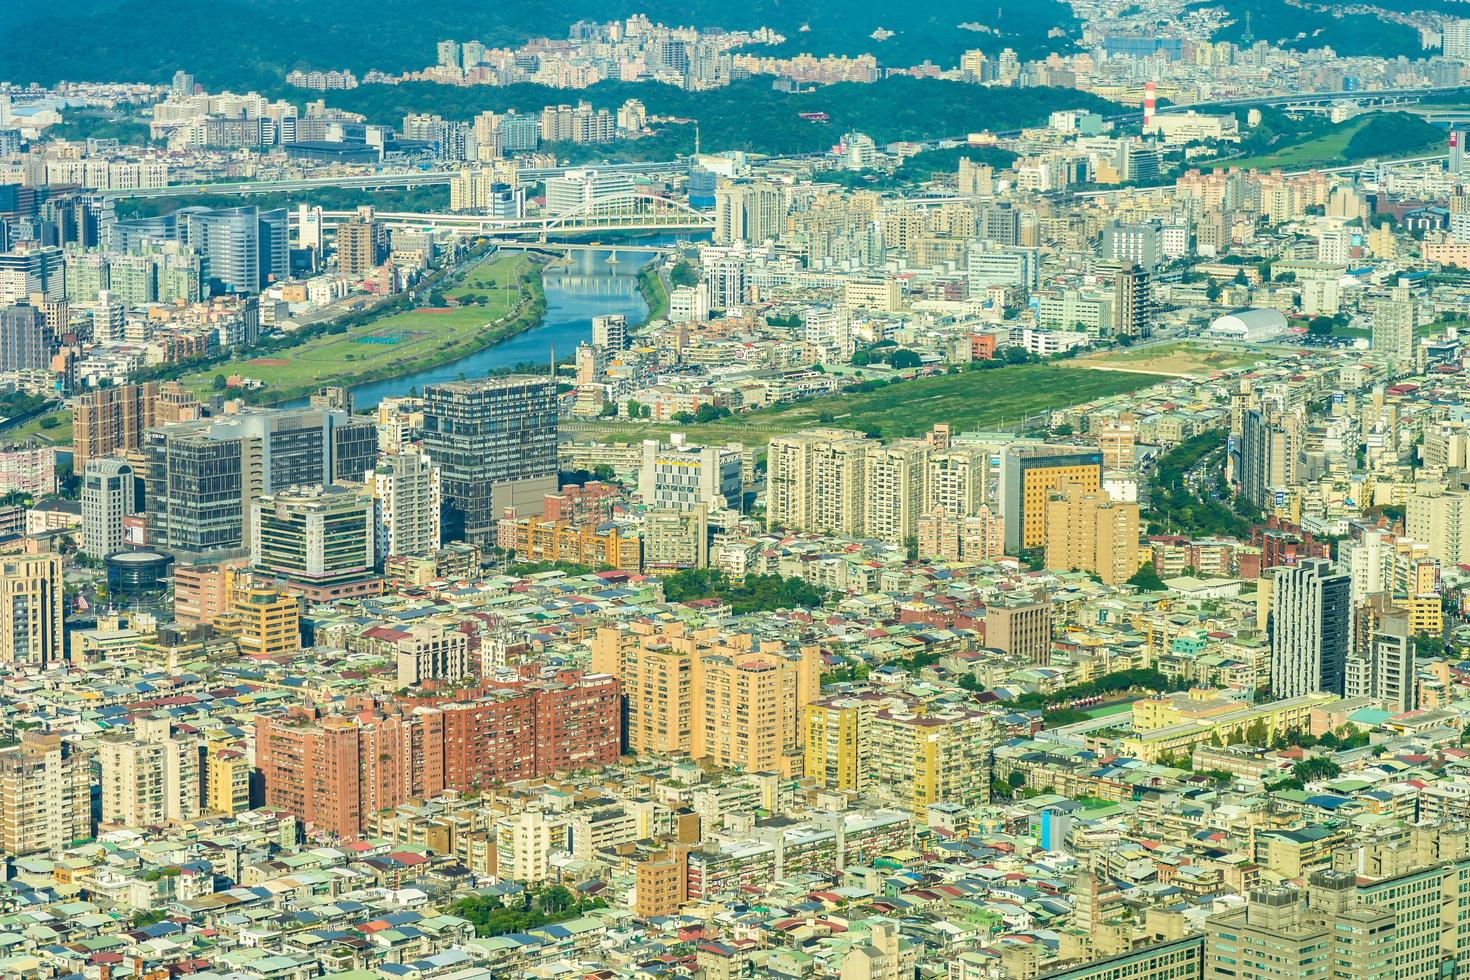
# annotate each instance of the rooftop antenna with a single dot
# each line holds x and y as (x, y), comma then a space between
(553, 360)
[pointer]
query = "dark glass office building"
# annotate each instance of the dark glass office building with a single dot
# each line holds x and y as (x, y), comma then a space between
(494, 441)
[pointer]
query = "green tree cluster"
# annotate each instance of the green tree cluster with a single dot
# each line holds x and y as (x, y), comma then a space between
(1175, 509)
(1136, 679)
(756, 593)
(747, 114)
(701, 415)
(547, 907)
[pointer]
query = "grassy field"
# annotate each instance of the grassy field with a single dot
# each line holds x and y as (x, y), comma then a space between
(655, 294)
(494, 299)
(1422, 330)
(58, 435)
(1178, 358)
(968, 400)
(1375, 134)
(1108, 710)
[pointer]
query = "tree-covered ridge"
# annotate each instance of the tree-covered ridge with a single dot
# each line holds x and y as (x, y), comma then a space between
(750, 114)
(1309, 26)
(245, 43)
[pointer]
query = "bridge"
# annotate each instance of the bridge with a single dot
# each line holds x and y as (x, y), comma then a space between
(515, 244)
(383, 180)
(1317, 100)
(638, 211)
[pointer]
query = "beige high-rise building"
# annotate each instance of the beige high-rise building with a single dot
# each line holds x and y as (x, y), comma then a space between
(676, 538)
(748, 703)
(980, 537)
(175, 403)
(838, 734)
(1020, 625)
(957, 481)
(838, 481)
(1421, 873)
(748, 212)
(1440, 518)
(111, 421)
(975, 179)
(524, 843)
(151, 778)
(893, 490)
(909, 753)
(711, 695)
(362, 245)
(30, 609)
(45, 795)
(1285, 933)
(1088, 530)
(922, 756)
(1393, 329)
(814, 481)
(1117, 439)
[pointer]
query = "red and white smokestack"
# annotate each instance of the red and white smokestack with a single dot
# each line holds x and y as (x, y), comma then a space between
(1149, 94)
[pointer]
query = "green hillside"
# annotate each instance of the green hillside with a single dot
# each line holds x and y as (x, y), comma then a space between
(1376, 135)
(750, 114)
(255, 42)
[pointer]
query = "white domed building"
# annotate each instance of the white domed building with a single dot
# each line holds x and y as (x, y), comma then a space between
(1249, 326)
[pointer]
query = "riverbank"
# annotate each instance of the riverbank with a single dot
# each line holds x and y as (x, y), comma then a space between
(577, 287)
(493, 299)
(655, 291)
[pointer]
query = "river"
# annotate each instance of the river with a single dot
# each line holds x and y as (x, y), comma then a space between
(578, 287)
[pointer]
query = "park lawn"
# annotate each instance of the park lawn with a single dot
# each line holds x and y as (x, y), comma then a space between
(1182, 357)
(495, 278)
(1422, 330)
(57, 435)
(1385, 135)
(1107, 710)
(401, 341)
(968, 400)
(1327, 148)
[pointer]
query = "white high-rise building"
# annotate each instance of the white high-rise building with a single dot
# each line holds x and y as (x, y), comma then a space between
(1456, 35)
(610, 331)
(406, 489)
(681, 477)
(1369, 562)
(1311, 628)
(1385, 671)
(107, 495)
(149, 779)
(829, 328)
(1393, 329)
(592, 190)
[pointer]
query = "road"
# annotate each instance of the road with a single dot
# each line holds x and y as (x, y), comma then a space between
(379, 181)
